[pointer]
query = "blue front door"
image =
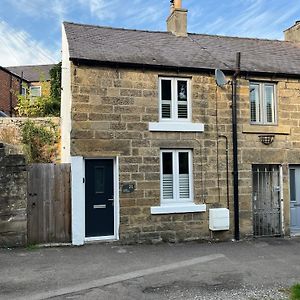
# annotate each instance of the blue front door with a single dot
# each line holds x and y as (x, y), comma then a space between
(99, 198)
(295, 199)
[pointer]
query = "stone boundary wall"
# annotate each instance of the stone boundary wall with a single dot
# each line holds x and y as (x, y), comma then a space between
(10, 131)
(10, 128)
(13, 197)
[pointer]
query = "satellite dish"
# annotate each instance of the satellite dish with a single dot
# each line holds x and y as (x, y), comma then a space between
(220, 78)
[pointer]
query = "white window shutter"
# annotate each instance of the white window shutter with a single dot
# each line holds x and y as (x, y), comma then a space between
(269, 103)
(167, 186)
(184, 186)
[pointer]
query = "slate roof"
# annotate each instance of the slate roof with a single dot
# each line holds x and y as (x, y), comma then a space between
(200, 51)
(32, 73)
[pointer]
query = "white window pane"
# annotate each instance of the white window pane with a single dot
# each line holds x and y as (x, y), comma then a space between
(24, 91)
(35, 91)
(166, 92)
(182, 90)
(167, 186)
(166, 99)
(166, 109)
(184, 185)
(176, 177)
(167, 167)
(182, 110)
(293, 184)
(182, 99)
(174, 99)
(269, 103)
(254, 103)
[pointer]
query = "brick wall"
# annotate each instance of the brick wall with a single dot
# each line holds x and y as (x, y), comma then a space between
(8, 91)
(111, 110)
(13, 198)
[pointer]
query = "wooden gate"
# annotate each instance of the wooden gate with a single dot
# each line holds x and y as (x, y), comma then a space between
(49, 203)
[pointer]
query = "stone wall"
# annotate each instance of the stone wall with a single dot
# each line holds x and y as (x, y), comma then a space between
(111, 111)
(10, 130)
(13, 198)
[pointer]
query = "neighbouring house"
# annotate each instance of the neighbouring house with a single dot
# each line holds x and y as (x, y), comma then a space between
(37, 76)
(149, 133)
(10, 86)
(17, 80)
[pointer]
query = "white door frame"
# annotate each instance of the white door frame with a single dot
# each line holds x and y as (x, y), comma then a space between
(78, 201)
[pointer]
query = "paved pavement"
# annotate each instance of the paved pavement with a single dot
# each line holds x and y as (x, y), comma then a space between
(258, 269)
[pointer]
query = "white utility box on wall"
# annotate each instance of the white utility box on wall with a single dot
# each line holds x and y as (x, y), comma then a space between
(218, 219)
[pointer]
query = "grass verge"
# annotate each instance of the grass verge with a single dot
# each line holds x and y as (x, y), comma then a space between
(295, 292)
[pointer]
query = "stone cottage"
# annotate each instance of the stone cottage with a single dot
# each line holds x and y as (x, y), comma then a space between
(148, 133)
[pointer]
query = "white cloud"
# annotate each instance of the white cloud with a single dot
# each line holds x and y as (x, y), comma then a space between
(247, 18)
(42, 9)
(129, 14)
(18, 48)
(102, 9)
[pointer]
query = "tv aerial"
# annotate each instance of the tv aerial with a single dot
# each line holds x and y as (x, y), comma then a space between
(220, 78)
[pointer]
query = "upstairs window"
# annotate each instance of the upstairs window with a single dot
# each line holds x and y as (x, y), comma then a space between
(174, 99)
(262, 103)
(35, 91)
(24, 91)
(176, 176)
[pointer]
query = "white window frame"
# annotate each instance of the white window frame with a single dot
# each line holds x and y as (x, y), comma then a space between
(24, 91)
(174, 100)
(175, 155)
(35, 87)
(177, 205)
(261, 108)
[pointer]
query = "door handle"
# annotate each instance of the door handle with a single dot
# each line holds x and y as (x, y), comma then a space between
(110, 199)
(100, 206)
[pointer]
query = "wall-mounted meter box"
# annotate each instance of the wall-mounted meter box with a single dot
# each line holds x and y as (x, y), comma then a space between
(218, 219)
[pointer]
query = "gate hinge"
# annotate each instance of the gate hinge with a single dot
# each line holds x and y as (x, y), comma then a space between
(277, 188)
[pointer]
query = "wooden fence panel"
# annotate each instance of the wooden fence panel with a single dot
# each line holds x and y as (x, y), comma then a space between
(49, 203)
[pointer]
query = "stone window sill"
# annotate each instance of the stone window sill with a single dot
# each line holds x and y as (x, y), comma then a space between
(176, 126)
(178, 209)
(267, 129)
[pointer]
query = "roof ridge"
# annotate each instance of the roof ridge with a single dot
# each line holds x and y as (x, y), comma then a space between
(189, 33)
(22, 66)
(116, 28)
(238, 37)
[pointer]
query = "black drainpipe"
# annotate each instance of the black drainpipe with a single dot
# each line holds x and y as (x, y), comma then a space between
(235, 149)
(21, 83)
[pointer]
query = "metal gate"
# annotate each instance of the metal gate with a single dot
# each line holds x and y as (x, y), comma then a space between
(266, 201)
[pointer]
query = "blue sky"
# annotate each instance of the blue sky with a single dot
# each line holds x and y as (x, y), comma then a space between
(30, 30)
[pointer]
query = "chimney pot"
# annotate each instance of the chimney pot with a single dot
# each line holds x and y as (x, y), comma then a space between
(177, 4)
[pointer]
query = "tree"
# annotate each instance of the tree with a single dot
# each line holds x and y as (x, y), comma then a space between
(40, 141)
(55, 86)
(44, 105)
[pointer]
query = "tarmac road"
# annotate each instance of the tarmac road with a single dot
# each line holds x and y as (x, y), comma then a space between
(258, 269)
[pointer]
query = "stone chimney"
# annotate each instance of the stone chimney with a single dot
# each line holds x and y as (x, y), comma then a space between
(177, 21)
(292, 34)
